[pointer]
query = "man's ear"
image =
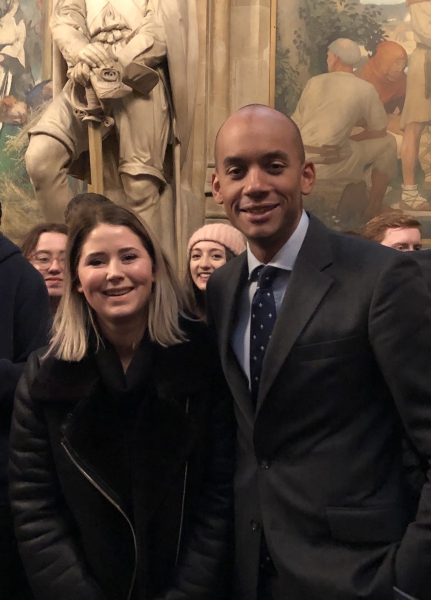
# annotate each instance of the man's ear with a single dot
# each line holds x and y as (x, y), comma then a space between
(308, 178)
(215, 184)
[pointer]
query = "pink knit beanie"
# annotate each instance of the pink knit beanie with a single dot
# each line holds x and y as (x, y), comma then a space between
(220, 233)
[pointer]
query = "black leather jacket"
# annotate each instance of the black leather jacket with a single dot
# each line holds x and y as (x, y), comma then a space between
(76, 535)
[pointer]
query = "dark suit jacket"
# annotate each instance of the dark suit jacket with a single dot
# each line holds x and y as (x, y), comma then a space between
(347, 374)
(424, 259)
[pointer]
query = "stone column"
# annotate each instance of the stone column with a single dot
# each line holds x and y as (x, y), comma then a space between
(219, 38)
(239, 39)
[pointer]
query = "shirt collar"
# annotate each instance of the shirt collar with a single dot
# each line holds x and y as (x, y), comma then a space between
(286, 256)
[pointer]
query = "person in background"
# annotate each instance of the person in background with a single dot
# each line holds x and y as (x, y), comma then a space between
(395, 230)
(209, 248)
(24, 325)
(81, 202)
(45, 247)
(122, 443)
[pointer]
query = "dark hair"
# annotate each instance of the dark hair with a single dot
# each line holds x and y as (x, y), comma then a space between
(1, 213)
(195, 296)
(375, 229)
(31, 238)
(83, 202)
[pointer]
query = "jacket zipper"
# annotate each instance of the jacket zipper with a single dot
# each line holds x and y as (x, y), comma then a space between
(75, 461)
(180, 532)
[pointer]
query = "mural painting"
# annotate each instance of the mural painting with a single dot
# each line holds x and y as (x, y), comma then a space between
(24, 91)
(356, 79)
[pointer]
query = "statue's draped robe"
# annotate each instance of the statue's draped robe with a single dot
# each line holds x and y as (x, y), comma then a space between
(163, 35)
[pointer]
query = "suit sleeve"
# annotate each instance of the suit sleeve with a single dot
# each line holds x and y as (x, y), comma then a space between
(31, 322)
(51, 556)
(400, 334)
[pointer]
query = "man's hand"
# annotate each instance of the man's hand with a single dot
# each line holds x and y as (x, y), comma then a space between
(96, 55)
(80, 73)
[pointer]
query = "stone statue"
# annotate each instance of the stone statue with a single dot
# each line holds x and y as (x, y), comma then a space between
(139, 57)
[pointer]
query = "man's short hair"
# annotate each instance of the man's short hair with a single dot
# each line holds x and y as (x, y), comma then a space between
(347, 51)
(376, 229)
(297, 140)
(83, 201)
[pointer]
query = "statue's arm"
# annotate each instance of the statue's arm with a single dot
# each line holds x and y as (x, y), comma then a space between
(69, 28)
(148, 44)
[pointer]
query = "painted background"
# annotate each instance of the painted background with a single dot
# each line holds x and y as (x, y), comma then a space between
(305, 28)
(25, 88)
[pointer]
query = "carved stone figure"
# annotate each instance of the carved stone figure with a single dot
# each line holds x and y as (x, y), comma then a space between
(140, 59)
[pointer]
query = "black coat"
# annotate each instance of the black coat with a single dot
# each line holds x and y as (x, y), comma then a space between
(345, 378)
(424, 259)
(24, 324)
(75, 536)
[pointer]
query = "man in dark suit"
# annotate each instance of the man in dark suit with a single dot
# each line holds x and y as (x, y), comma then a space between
(325, 341)
(424, 259)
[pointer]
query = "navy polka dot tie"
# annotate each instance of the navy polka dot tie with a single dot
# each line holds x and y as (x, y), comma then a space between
(263, 315)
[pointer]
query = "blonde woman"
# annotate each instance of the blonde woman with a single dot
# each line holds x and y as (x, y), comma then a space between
(122, 441)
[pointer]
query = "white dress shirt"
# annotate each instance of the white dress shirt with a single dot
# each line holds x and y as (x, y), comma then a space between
(284, 260)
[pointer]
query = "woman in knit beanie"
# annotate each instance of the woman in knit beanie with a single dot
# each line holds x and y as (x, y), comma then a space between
(209, 248)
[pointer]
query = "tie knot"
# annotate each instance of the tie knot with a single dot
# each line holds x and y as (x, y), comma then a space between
(266, 276)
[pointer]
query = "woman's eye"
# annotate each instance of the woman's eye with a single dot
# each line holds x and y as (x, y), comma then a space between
(129, 257)
(95, 262)
(195, 256)
(217, 256)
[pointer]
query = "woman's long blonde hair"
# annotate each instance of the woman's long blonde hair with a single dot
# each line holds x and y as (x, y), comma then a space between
(75, 319)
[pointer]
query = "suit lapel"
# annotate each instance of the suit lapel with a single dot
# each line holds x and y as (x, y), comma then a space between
(233, 372)
(307, 287)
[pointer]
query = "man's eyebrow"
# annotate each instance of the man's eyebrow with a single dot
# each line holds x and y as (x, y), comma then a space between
(235, 160)
(232, 160)
(276, 154)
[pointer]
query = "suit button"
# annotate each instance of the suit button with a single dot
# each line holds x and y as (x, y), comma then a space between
(255, 525)
(264, 463)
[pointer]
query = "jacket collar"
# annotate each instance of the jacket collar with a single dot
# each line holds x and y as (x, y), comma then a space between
(308, 284)
(61, 381)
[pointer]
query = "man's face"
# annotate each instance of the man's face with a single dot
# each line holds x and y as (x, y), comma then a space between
(405, 239)
(260, 178)
(396, 69)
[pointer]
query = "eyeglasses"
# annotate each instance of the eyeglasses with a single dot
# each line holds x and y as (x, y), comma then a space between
(44, 260)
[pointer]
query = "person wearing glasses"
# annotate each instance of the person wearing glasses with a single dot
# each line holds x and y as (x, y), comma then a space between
(45, 246)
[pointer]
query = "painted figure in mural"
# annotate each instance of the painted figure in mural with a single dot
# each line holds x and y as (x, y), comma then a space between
(385, 70)
(12, 55)
(331, 105)
(417, 108)
(140, 57)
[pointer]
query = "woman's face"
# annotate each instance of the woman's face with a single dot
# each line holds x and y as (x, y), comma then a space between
(48, 258)
(396, 69)
(115, 275)
(205, 258)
